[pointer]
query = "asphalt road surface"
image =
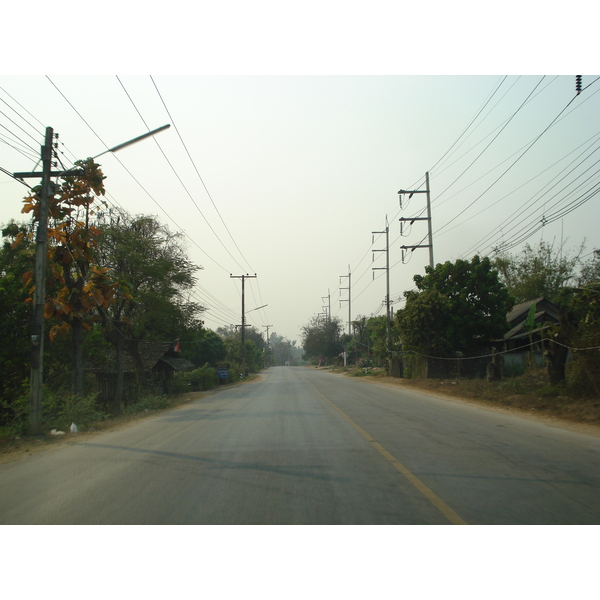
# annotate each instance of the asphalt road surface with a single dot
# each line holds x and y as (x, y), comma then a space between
(303, 446)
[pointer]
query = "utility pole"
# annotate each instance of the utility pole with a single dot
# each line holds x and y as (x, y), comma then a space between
(387, 296)
(37, 329)
(428, 219)
(267, 356)
(327, 308)
(243, 278)
(39, 297)
(349, 301)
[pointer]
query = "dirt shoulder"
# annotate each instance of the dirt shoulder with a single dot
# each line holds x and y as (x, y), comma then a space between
(20, 447)
(524, 396)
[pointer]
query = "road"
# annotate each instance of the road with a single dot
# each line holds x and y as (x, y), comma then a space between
(303, 446)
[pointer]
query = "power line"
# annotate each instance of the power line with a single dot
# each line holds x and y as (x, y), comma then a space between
(507, 170)
(198, 173)
(177, 174)
(498, 86)
(529, 205)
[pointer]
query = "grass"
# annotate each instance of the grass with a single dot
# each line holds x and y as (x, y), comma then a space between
(14, 446)
(530, 392)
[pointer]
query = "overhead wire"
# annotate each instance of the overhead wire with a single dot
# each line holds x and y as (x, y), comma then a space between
(177, 174)
(529, 206)
(207, 190)
(507, 170)
(139, 183)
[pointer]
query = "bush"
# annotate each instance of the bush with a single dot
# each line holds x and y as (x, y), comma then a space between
(60, 410)
(148, 403)
(202, 378)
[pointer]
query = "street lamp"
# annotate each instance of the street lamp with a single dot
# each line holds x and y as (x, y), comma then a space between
(37, 329)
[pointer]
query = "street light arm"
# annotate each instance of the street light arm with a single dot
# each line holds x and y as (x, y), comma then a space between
(134, 140)
(257, 308)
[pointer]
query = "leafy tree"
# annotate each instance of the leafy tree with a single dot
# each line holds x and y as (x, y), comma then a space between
(539, 272)
(208, 348)
(76, 286)
(283, 350)
(149, 299)
(253, 355)
(424, 321)
(457, 306)
(15, 324)
(590, 271)
(252, 333)
(584, 370)
(322, 339)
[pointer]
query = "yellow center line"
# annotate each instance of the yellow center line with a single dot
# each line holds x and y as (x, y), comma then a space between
(430, 495)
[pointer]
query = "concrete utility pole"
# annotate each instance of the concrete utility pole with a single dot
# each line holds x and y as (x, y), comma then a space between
(428, 219)
(39, 296)
(39, 299)
(349, 301)
(267, 356)
(327, 308)
(37, 329)
(243, 278)
(387, 296)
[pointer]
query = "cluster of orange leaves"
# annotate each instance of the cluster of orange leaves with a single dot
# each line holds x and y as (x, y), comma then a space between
(71, 245)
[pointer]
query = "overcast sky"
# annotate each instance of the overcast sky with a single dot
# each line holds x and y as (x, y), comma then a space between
(292, 132)
(288, 176)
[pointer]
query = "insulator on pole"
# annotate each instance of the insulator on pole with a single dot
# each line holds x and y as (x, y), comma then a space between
(578, 84)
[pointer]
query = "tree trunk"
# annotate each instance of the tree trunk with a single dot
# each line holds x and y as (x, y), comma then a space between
(556, 351)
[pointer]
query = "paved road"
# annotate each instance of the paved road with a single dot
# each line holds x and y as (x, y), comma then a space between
(307, 447)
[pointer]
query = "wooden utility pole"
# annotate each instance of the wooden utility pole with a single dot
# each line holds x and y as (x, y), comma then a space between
(428, 219)
(243, 278)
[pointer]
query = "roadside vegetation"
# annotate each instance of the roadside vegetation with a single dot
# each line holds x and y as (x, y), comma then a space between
(448, 337)
(530, 392)
(112, 314)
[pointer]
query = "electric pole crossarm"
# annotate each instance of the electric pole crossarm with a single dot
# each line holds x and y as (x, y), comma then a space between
(428, 218)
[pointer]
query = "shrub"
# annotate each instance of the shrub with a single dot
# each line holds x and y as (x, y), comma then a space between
(60, 410)
(148, 403)
(202, 378)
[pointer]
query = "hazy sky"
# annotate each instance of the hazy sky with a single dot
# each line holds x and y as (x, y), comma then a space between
(292, 174)
(300, 127)
(295, 173)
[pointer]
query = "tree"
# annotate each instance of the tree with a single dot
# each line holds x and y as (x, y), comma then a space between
(15, 324)
(584, 370)
(455, 308)
(423, 321)
(76, 286)
(539, 272)
(322, 339)
(149, 301)
(282, 350)
(208, 348)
